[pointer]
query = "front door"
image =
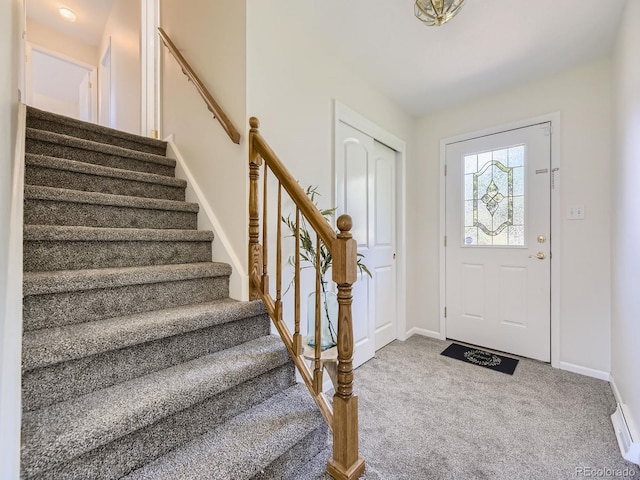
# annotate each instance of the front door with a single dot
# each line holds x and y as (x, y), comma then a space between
(366, 179)
(498, 241)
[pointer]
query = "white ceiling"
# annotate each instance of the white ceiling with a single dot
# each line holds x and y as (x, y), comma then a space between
(489, 46)
(88, 28)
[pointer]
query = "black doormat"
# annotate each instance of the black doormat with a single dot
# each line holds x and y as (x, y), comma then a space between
(489, 360)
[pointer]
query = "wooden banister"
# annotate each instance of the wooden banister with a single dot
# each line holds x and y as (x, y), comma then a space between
(342, 419)
(212, 105)
(295, 191)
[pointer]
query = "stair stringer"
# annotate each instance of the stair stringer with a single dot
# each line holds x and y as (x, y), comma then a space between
(11, 317)
(207, 220)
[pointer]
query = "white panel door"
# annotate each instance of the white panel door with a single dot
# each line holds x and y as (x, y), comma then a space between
(498, 241)
(365, 171)
(381, 258)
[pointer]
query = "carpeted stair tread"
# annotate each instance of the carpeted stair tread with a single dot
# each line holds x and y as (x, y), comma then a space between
(51, 233)
(245, 446)
(90, 131)
(100, 170)
(41, 283)
(33, 192)
(90, 147)
(55, 434)
(50, 346)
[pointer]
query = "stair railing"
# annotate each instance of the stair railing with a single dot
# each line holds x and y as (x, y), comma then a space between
(342, 417)
(212, 105)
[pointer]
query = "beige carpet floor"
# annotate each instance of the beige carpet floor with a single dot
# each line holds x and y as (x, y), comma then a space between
(426, 416)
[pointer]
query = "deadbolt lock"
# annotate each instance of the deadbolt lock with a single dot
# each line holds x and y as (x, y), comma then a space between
(542, 239)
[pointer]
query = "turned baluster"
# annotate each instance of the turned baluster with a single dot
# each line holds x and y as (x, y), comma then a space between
(297, 338)
(279, 257)
(317, 365)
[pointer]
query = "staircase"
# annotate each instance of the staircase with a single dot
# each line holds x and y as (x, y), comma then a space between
(136, 363)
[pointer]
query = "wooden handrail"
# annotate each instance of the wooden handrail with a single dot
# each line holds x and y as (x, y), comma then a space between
(212, 105)
(345, 464)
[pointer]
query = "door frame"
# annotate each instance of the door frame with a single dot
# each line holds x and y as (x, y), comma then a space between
(150, 59)
(556, 241)
(344, 114)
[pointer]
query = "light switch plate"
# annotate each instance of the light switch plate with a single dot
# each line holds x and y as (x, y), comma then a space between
(576, 212)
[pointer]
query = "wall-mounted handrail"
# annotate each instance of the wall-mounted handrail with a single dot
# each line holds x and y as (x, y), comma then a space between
(212, 105)
(345, 464)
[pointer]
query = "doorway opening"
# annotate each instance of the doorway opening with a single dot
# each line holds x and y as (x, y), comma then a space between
(62, 85)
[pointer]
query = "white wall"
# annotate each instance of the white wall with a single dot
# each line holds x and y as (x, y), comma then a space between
(10, 316)
(625, 331)
(292, 82)
(582, 96)
(55, 105)
(211, 35)
(123, 27)
(45, 36)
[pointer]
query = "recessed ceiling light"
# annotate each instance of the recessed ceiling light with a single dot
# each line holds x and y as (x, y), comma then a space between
(67, 14)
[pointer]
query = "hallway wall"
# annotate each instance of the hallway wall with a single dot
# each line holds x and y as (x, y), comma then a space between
(582, 96)
(625, 328)
(11, 15)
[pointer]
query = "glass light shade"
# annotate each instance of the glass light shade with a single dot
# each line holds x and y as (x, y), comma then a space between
(437, 12)
(67, 14)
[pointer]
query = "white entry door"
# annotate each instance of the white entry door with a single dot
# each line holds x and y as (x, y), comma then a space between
(366, 180)
(498, 241)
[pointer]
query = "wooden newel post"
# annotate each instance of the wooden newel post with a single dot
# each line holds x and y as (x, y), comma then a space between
(345, 463)
(255, 249)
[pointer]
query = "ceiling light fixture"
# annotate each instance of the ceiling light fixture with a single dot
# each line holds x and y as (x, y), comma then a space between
(67, 14)
(437, 12)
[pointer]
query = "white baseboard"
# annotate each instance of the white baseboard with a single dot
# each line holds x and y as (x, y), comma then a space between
(589, 372)
(424, 332)
(222, 249)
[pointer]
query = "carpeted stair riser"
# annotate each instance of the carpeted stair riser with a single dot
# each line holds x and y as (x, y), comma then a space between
(69, 174)
(67, 308)
(52, 212)
(44, 386)
(289, 463)
(250, 445)
(75, 255)
(316, 467)
(132, 451)
(56, 434)
(41, 120)
(54, 145)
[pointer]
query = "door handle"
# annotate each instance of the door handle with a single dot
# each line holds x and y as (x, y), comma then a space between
(539, 256)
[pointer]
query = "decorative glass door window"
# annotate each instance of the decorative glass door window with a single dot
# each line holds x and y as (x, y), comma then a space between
(494, 198)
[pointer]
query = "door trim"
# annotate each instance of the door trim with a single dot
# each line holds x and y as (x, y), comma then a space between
(150, 68)
(344, 114)
(556, 241)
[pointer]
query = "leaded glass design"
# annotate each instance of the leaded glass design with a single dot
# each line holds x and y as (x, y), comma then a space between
(494, 198)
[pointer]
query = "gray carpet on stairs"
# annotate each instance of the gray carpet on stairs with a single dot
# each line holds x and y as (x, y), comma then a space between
(132, 349)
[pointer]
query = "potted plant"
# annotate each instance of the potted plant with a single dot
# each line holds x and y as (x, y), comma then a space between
(328, 299)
